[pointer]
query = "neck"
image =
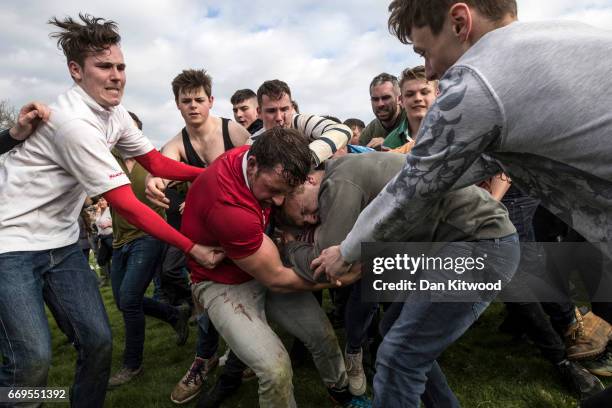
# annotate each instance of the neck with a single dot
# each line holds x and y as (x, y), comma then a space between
(413, 125)
(391, 122)
(483, 26)
(203, 129)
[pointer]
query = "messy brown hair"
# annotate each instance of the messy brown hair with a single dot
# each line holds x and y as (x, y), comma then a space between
(273, 89)
(287, 148)
(192, 80)
(80, 39)
(406, 14)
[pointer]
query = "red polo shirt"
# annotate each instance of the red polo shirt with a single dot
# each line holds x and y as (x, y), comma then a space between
(220, 210)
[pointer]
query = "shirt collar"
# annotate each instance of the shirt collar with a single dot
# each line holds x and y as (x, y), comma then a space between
(91, 103)
(244, 168)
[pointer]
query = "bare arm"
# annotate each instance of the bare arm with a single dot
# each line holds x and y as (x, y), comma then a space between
(238, 134)
(265, 266)
(499, 186)
(155, 186)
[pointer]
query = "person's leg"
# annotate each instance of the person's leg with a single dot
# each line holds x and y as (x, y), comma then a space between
(174, 283)
(300, 314)
(359, 315)
(600, 400)
(208, 338)
(86, 254)
(437, 390)
(25, 339)
(538, 328)
(206, 359)
(424, 329)
(140, 258)
(71, 287)
(408, 352)
(237, 311)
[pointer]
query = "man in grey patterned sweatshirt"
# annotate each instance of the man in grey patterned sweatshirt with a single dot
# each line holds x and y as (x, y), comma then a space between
(509, 102)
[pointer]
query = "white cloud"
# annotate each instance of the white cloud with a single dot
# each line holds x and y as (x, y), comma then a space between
(326, 51)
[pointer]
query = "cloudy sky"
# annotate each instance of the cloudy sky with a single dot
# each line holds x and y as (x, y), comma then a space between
(327, 51)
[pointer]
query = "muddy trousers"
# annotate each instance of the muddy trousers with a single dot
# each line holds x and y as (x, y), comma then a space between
(240, 313)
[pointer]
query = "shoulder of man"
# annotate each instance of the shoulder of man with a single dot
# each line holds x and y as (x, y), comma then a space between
(369, 132)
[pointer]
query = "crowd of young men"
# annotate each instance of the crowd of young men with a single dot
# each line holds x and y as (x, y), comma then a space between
(278, 170)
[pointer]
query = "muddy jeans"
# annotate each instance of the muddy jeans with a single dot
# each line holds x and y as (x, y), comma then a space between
(239, 312)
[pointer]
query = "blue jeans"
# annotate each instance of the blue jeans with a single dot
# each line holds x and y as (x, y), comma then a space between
(208, 338)
(132, 269)
(424, 329)
(62, 278)
(357, 320)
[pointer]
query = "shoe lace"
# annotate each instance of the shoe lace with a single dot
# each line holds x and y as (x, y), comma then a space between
(195, 372)
(579, 331)
(353, 362)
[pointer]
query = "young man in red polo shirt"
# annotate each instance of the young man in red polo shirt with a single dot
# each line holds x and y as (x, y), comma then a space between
(229, 206)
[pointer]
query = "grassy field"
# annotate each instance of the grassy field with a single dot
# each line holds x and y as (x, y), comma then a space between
(486, 369)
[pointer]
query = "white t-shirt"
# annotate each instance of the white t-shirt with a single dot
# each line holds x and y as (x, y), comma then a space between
(45, 180)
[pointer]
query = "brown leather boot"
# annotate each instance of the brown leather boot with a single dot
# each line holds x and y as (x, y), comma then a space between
(587, 337)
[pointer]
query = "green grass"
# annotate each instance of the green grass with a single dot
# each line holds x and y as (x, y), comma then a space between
(485, 368)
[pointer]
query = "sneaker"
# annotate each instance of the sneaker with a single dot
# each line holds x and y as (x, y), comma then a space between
(601, 366)
(342, 399)
(191, 383)
(360, 401)
(224, 388)
(123, 376)
(579, 379)
(355, 373)
(181, 327)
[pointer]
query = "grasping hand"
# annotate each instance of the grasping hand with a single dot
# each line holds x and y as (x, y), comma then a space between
(154, 191)
(29, 118)
(207, 256)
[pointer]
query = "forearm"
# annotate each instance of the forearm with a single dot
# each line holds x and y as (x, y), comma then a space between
(161, 166)
(329, 136)
(123, 200)
(7, 142)
(499, 186)
(286, 280)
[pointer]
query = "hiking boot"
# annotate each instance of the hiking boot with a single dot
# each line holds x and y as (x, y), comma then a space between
(123, 376)
(601, 366)
(181, 327)
(587, 336)
(579, 380)
(355, 373)
(225, 387)
(191, 383)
